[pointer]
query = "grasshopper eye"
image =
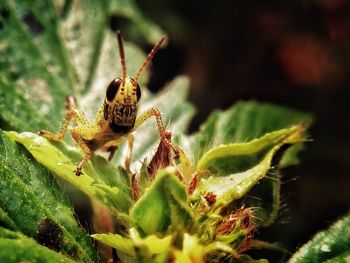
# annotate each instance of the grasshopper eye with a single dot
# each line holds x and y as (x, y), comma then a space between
(138, 92)
(112, 89)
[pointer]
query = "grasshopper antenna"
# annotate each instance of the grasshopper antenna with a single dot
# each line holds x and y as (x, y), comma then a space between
(149, 57)
(122, 56)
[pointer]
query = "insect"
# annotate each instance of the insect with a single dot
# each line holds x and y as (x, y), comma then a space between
(116, 117)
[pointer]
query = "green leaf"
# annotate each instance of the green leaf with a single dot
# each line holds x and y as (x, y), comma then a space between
(342, 258)
(16, 110)
(6, 221)
(31, 201)
(116, 195)
(227, 157)
(116, 241)
(243, 122)
(26, 60)
(152, 243)
(233, 134)
(136, 246)
(15, 247)
(234, 186)
(242, 165)
(331, 245)
(167, 196)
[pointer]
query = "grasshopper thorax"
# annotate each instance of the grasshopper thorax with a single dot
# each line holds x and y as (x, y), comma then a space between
(123, 94)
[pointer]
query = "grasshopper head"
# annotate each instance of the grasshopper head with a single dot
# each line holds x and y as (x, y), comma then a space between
(123, 94)
(121, 102)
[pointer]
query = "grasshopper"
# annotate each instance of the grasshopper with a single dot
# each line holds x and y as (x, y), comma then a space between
(116, 117)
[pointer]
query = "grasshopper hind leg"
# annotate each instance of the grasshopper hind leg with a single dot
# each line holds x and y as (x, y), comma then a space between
(59, 136)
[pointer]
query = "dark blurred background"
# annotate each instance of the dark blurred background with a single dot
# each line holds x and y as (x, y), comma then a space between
(292, 53)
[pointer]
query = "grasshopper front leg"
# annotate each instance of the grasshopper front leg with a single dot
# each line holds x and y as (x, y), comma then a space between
(156, 113)
(80, 133)
(87, 152)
